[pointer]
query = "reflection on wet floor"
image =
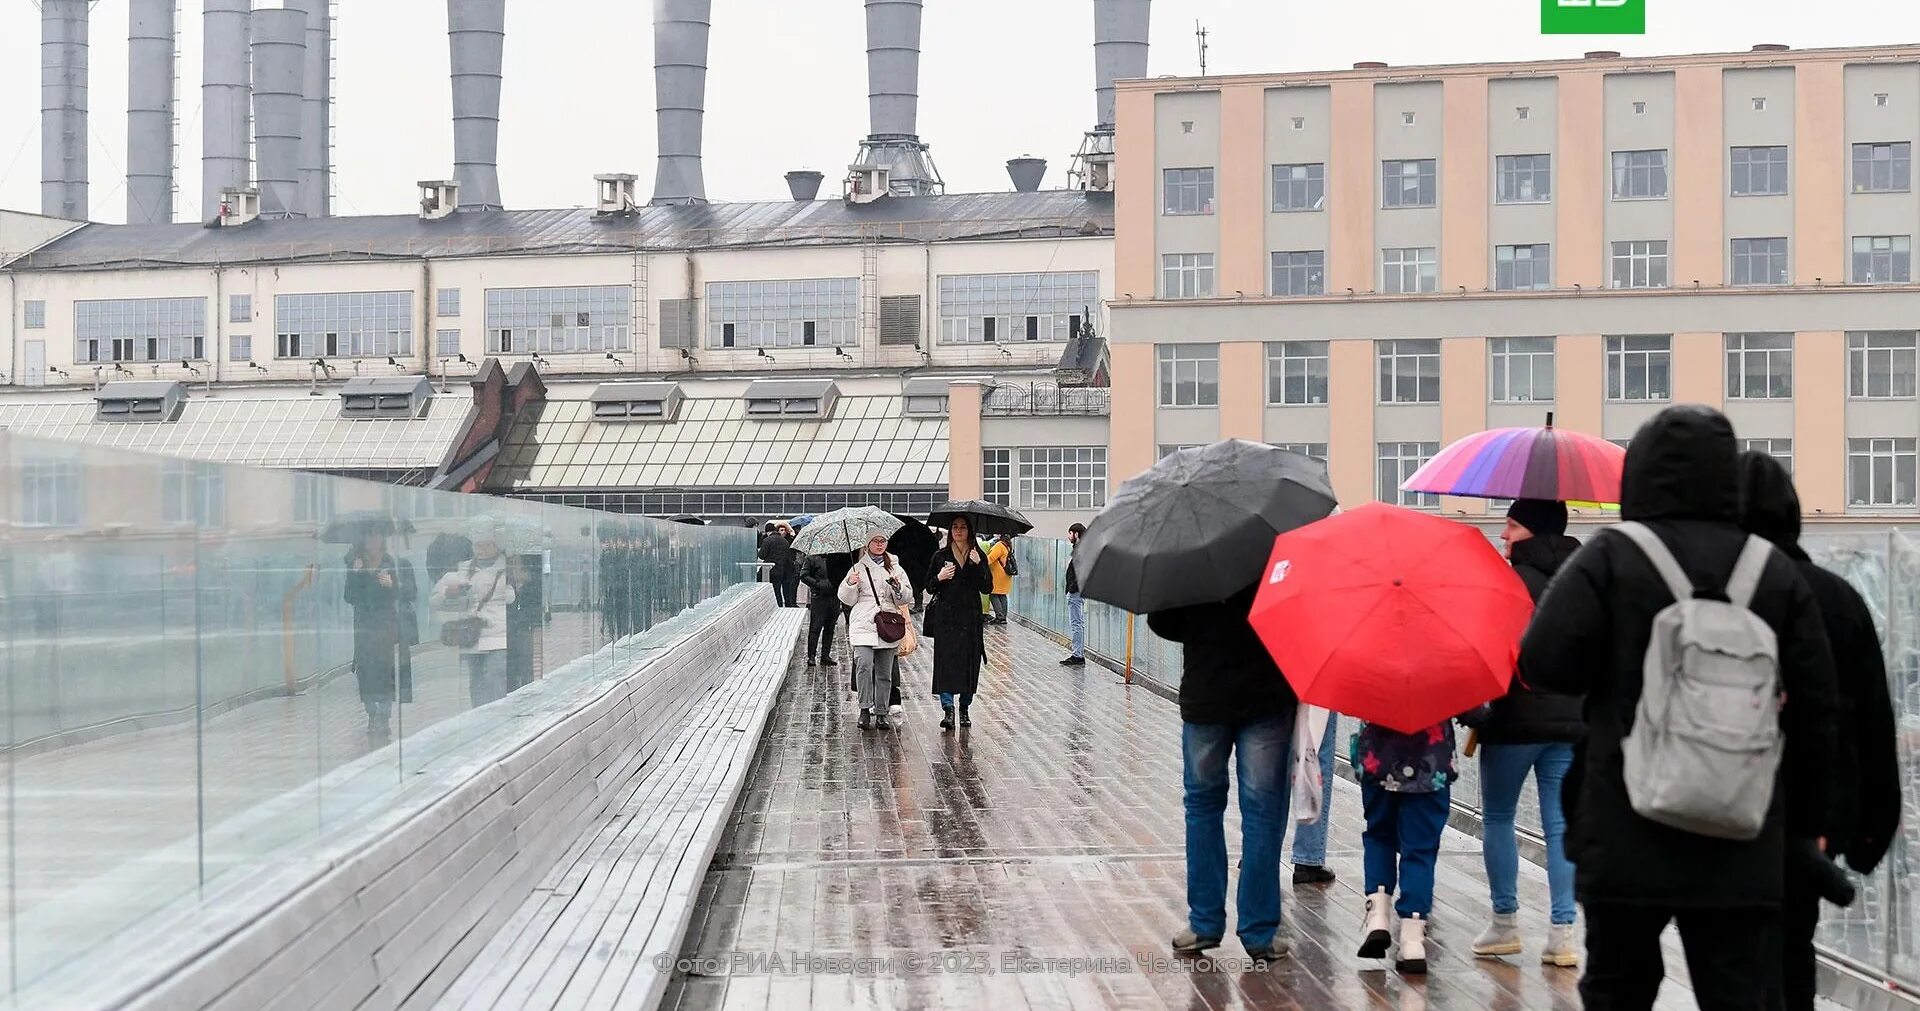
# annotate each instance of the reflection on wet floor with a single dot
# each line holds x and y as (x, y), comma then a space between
(1033, 861)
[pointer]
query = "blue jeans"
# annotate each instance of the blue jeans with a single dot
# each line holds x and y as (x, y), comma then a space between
(1259, 750)
(1503, 772)
(1310, 841)
(1077, 622)
(1402, 844)
(966, 699)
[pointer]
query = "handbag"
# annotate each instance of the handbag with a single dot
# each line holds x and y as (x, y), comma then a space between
(464, 632)
(890, 626)
(1310, 726)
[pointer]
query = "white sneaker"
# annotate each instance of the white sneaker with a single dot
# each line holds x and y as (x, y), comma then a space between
(895, 711)
(1376, 932)
(1502, 936)
(1562, 948)
(1412, 956)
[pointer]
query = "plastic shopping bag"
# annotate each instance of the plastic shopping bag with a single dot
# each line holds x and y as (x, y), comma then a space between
(1309, 728)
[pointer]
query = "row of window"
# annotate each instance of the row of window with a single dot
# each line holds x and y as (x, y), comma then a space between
(1877, 259)
(1528, 178)
(1881, 365)
(1049, 478)
(191, 492)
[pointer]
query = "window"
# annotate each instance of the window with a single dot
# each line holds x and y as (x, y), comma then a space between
(447, 303)
(1522, 369)
(1760, 261)
(1300, 122)
(1297, 372)
(1303, 272)
(139, 329)
(1882, 259)
(50, 493)
(1640, 368)
(1759, 366)
(240, 348)
(996, 476)
(1880, 472)
(523, 321)
(1189, 191)
(1640, 264)
(1407, 183)
(1523, 178)
(1186, 275)
(1409, 371)
(343, 324)
(1398, 461)
(1189, 375)
(446, 343)
(313, 497)
(1779, 449)
(1881, 364)
(240, 309)
(1882, 168)
(1522, 112)
(1523, 268)
(1407, 271)
(1408, 119)
(1062, 477)
(1312, 450)
(1300, 187)
(35, 314)
(1880, 99)
(776, 314)
(1639, 175)
(193, 492)
(1759, 171)
(1168, 450)
(1639, 108)
(1759, 105)
(979, 308)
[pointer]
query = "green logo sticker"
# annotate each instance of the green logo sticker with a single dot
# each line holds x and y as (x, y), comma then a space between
(1593, 17)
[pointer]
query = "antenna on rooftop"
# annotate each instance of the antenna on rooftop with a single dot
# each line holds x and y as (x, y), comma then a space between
(1200, 33)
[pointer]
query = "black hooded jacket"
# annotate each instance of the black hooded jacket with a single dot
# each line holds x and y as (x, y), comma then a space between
(1526, 714)
(1863, 790)
(1226, 674)
(1589, 637)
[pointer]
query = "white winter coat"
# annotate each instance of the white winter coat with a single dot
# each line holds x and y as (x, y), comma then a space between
(865, 599)
(475, 578)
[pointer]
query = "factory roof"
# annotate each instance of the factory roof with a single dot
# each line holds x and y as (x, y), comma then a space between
(947, 218)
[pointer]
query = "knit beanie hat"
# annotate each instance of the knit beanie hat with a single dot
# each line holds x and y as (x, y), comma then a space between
(1544, 518)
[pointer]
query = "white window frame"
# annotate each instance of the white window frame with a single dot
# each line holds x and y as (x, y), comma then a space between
(1642, 175)
(33, 314)
(1306, 180)
(1896, 166)
(1060, 478)
(1403, 367)
(1409, 183)
(1887, 349)
(447, 303)
(1537, 261)
(1767, 355)
(1186, 275)
(996, 476)
(1889, 259)
(1404, 458)
(1186, 191)
(1189, 375)
(1891, 459)
(1418, 264)
(1771, 171)
(1523, 179)
(1645, 263)
(1648, 355)
(1306, 365)
(1313, 267)
(1779, 449)
(1516, 367)
(1744, 257)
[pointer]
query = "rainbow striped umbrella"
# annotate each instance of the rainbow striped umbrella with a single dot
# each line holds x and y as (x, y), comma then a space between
(1539, 463)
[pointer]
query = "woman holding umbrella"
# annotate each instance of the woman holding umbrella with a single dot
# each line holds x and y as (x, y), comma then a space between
(381, 590)
(957, 578)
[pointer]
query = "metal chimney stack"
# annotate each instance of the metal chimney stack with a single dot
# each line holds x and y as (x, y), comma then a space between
(804, 184)
(150, 112)
(63, 108)
(315, 151)
(893, 100)
(476, 35)
(225, 94)
(680, 30)
(1119, 53)
(1027, 173)
(279, 71)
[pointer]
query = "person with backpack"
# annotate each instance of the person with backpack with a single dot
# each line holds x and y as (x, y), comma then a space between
(1000, 562)
(1865, 783)
(1697, 648)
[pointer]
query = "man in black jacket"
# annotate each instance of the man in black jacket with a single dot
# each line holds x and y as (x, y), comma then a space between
(1076, 604)
(1589, 637)
(777, 550)
(1232, 700)
(823, 608)
(1863, 788)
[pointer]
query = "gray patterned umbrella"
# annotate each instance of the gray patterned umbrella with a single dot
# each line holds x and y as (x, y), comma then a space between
(843, 530)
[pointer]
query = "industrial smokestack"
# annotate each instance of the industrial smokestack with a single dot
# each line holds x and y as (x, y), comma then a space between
(225, 94)
(1119, 50)
(804, 184)
(63, 108)
(893, 100)
(315, 151)
(149, 112)
(279, 69)
(476, 36)
(680, 30)
(1027, 172)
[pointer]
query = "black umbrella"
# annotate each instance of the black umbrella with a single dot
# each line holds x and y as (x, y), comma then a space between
(985, 518)
(351, 528)
(1198, 527)
(687, 518)
(915, 545)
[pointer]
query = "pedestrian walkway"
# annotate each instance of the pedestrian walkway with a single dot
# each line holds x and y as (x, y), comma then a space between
(1051, 830)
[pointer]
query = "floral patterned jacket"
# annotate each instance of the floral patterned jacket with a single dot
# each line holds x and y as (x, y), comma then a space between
(1408, 763)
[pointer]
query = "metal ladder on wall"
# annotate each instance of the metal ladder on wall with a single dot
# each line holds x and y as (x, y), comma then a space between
(638, 346)
(869, 292)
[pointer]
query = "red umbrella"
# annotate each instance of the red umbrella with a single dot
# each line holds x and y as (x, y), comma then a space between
(1392, 616)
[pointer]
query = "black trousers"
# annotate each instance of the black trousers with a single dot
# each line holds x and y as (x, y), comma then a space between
(820, 631)
(1730, 953)
(1793, 988)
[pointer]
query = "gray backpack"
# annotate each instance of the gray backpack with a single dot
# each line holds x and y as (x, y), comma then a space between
(1706, 741)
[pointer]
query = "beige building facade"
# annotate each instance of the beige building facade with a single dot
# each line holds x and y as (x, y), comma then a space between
(1369, 264)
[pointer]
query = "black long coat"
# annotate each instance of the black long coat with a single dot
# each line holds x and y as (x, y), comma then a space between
(386, 626)
(956, 624)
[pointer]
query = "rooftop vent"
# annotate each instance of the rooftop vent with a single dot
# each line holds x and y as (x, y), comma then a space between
(1604, 54)
(369, 397)
(804, 184)
(788, 399)
(439, 198)
(636, 401)
(1370, 65)
(1026, 172)
(142, 400)
(1771, 47)
(238, 206)
(617, 193)
(924, 397)
(868, 183)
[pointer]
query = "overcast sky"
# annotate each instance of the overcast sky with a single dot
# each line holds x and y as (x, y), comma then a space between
(787, 84)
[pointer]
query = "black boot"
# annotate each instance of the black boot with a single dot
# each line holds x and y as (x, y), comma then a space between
(965, 719)
(946, 717)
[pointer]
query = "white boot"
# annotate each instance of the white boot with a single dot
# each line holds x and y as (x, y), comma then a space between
(1377, 932)
(1562, 948)
(1502, 936)
(1412, 956)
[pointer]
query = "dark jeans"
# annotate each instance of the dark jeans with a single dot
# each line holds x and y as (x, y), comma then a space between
(1401, 844)
(782, 591)
(1793, 989)
(1728, 955)
(820, 632)
(792, 590)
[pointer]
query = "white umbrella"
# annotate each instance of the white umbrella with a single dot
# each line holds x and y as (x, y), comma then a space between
(843, 530)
